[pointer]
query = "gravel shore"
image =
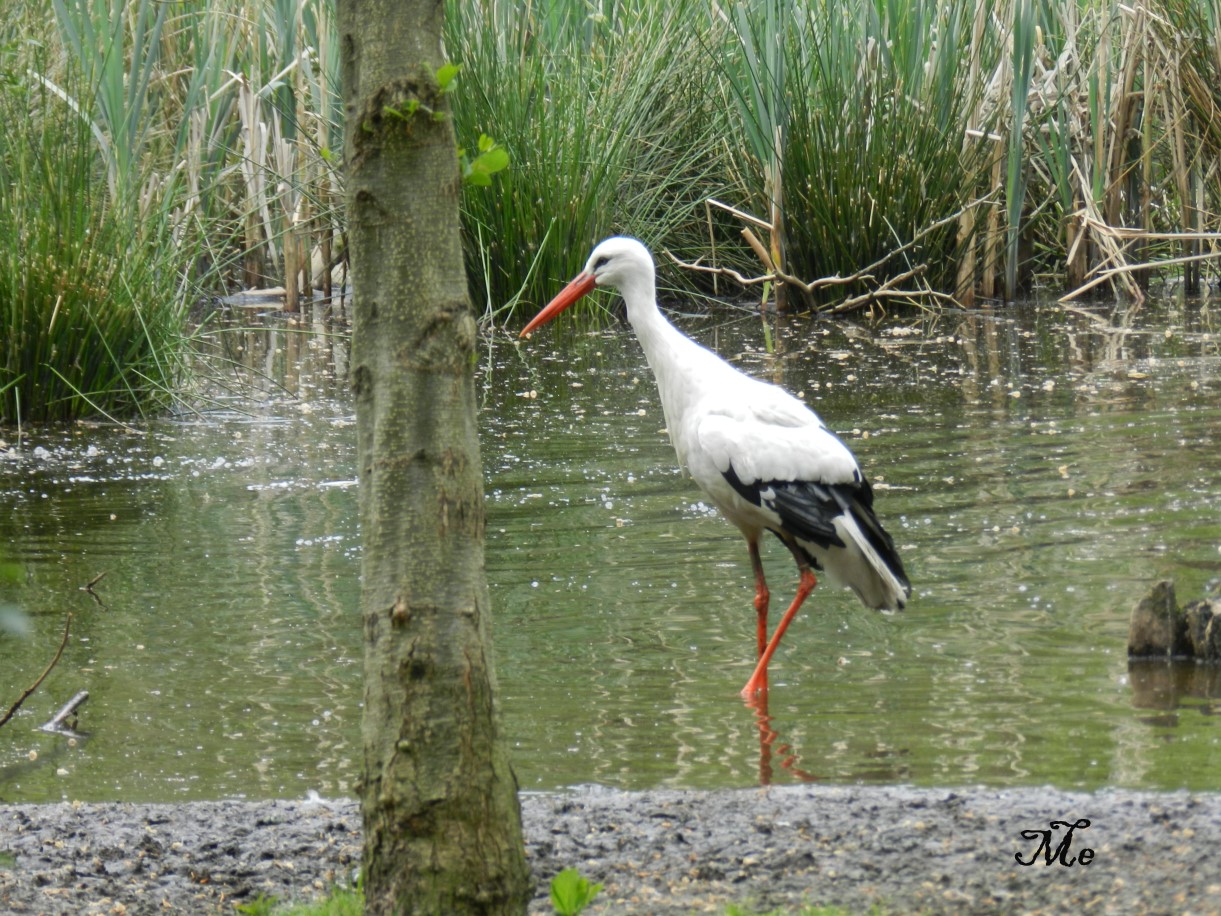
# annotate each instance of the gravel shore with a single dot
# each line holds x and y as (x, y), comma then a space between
(662, 852)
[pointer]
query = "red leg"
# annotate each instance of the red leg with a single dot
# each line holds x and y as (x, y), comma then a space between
(758, 680)
(761, 596)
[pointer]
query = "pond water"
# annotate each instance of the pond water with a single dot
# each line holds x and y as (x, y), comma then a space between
(1039, 470)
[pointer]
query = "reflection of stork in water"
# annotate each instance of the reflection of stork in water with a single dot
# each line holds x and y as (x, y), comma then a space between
(768, 747)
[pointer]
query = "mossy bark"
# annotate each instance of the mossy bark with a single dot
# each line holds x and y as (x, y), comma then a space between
(439, 801)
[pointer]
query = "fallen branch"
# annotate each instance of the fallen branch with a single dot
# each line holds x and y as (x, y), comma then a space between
(888, 291)
(12, 710)
(768, 277)
(865, 275)
(56, 724)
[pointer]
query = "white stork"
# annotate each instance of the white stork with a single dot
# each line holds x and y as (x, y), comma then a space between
(762, 457)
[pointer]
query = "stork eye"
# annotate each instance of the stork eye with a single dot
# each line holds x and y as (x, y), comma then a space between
(601, 262)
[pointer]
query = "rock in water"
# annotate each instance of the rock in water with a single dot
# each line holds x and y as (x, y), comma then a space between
(1157, 629)
(1203, 619)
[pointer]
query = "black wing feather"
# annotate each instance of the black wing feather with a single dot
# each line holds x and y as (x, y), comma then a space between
(808, 511)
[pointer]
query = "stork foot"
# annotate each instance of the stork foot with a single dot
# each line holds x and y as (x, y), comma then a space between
(756, 686)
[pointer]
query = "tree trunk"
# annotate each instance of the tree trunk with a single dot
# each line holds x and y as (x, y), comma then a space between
(439, 804)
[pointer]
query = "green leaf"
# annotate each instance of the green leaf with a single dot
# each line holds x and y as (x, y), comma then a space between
(493, 161)
(571, 893)
(446, 76)
(410, 107)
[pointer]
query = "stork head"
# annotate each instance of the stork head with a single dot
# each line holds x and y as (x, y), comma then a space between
(620, 263)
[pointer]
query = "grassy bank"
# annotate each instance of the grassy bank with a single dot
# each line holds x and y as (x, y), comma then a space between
(835, 156)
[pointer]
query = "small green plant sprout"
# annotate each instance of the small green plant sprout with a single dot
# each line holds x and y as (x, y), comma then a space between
(492, 158)
(447, 75)
(410, 107)
(571, 893)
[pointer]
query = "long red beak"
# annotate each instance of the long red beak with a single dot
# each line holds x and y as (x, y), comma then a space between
(581, 286)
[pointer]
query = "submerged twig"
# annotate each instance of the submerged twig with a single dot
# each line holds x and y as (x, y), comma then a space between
(1098, 320)
(88, 587)
(56, 723)
(12, 710)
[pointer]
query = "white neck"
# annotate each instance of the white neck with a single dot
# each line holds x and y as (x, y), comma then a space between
(679, 364)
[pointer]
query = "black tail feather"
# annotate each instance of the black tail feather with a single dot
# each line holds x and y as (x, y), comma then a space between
(861, 509)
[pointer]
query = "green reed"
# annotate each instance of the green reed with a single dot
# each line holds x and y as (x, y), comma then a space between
(755, 69)
(153, 149)
(923, 148)
(91, 298)
(875, 149)
(603, 113)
